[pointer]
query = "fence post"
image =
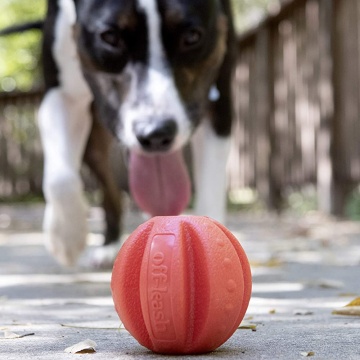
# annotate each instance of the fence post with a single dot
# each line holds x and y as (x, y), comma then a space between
(325, 168)
(265, 179)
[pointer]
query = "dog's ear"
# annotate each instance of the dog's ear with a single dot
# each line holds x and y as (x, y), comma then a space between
(223, 107)
(76, 3)
(77, 6)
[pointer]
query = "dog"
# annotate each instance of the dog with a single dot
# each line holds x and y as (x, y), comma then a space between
(156, 76)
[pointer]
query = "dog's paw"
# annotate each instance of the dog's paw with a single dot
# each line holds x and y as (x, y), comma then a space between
(65, 253)
(103, 257)
(65, 238)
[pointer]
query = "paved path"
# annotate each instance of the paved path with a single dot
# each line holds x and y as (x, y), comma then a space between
(302, 270)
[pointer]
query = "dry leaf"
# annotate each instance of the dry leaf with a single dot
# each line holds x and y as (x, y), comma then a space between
(272, 311)
(83, 347)
(351, 309)
(74, 326)
(270, 263)
(326, 284)
(355, 302)
(348, 311)
(307, 353)
(347, 294)
(11, 335)
(245, 325)
(303, 312)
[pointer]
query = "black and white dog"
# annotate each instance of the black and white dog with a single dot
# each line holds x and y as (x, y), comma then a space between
(154, 74)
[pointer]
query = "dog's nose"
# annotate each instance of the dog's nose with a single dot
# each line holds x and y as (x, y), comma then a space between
(156, 135)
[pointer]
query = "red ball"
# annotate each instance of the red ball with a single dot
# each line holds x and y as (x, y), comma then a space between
(181, 284)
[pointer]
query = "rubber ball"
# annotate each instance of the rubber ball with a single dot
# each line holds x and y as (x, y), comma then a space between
(181, 284)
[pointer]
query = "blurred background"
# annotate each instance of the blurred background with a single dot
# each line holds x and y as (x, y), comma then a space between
(296, 87)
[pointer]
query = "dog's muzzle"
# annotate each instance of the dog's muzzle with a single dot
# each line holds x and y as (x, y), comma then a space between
(155, 135)
(158, 177)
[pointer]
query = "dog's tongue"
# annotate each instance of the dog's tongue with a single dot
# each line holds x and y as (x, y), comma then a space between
(160, 184)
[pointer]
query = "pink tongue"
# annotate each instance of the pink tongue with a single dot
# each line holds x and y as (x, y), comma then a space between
(160, 184)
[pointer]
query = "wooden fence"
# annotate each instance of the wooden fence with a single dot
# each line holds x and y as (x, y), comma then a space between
(20, 148)
(297, 91)
(297, 96)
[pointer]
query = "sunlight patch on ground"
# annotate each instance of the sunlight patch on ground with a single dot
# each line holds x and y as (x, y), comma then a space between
(32, 279)
(92, 301)
(276, 287)
(25, 239)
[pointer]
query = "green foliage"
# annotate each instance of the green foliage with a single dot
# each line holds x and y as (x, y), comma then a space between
(248, 12)
(20, 53)
(352, 208)
(302, 201)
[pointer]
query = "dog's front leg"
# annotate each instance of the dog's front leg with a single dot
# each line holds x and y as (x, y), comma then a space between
(210, 153)
(64, 124)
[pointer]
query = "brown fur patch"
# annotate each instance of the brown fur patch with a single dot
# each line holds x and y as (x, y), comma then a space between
(194, 82)
(126, 20)
(174, 15)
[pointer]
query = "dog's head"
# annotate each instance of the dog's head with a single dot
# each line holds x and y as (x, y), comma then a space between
(151, 64)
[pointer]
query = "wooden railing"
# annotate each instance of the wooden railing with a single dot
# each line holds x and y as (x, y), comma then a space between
(297, 92)
(297, 98)
(20, 148)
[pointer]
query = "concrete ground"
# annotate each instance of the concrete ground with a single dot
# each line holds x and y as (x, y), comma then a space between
(303, 268)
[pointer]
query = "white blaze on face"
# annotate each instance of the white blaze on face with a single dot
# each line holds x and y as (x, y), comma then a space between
(156, 51)
(158, 97)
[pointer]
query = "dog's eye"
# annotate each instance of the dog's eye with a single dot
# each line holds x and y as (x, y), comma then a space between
(191, 39)
(112, 38)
